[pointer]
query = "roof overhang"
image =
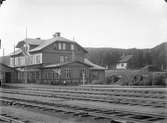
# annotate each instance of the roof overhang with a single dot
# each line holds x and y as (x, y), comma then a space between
(64, 64)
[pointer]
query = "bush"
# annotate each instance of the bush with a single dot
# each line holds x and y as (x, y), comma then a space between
(97, 82)
(159, 79)
(137, 78)
(112, 79)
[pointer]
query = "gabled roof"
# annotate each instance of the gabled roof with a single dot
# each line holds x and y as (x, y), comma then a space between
(125, 58)
(41, 44)
(50, 41)
(65, 63)
(94, 66)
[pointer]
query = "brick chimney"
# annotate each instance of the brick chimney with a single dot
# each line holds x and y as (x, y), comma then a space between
(57, 34)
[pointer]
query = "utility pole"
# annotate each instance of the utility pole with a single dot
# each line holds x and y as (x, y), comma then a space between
(73, 50)
(25, 50)
(14, 61)
(3, 51)
(26, 58)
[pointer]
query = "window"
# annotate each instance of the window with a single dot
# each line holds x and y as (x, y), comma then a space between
(72, 46)
(57, 73)
(38, 59)
(85, 72)
(55, 46)
(37, 75)
(11, 62)
(68, 46)
(67, 73)
(64, 46)
(19, 75)
(52, 75)
(66, 58)
(33, 75)
(61, 59)
(22, 60)
(59, 46)
(44, 75)
(18, 60)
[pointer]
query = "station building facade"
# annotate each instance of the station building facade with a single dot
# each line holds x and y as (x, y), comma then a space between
(54, 61)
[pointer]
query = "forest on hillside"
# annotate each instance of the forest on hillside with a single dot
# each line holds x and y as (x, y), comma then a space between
(156, 56)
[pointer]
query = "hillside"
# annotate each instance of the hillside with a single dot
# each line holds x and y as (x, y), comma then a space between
(156, 56)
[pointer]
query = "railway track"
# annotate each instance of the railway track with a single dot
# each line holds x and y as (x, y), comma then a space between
(113, 92)
(94, 96)
(155, 99)
(5, 118)
(114, 115)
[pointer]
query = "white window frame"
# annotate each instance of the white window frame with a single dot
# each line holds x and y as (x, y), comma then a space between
(59, 46)
(61, 58)
(72, 46)
(64, 46)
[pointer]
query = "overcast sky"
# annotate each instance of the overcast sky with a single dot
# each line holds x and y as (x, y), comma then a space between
(93, 23)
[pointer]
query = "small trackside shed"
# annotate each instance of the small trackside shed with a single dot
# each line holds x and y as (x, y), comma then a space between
(97, 72)
(7, 74)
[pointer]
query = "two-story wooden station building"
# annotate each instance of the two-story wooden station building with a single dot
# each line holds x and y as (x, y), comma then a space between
(54, 61)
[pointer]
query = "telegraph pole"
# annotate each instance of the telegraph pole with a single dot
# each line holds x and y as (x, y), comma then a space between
(26, 59)
(14, 61)
(3, 51)
(73, 50)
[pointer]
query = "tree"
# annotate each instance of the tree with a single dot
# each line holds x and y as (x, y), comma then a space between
(1, 1)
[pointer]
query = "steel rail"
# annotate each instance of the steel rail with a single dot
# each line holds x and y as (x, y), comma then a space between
(119, 100)
(114, 115)
(11, 119)
(124, 92)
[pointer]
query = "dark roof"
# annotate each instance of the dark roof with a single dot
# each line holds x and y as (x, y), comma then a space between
(125, 58)
(63, 64)
(5, 68)
(94, 66)
(5, 60)
(5, 65)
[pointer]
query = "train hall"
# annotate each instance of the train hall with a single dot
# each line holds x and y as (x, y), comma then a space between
(54, 61)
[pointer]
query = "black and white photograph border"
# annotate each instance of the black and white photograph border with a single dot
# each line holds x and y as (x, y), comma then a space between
(83, 61)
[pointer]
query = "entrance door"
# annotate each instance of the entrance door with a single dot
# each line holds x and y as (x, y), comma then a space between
(7, 77)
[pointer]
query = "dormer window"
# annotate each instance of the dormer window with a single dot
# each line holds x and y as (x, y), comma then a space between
(64, 46)
(55, 46)
(59, 46)
(72, 46)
